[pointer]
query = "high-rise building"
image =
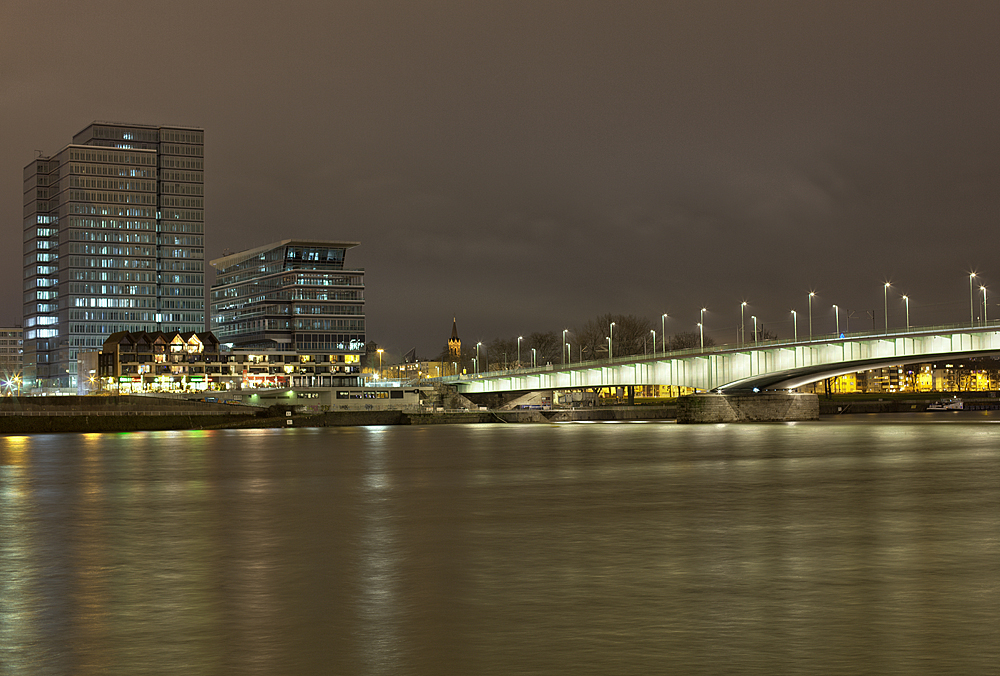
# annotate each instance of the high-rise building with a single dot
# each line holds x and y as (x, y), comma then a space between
(290, 295)
(113, 241)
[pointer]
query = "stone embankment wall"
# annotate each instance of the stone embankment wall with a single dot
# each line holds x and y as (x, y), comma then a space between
(761, 407)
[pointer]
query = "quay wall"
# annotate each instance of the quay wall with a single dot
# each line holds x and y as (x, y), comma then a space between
(760, 407)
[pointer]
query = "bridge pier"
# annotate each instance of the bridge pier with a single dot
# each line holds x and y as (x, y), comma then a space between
(759, 407)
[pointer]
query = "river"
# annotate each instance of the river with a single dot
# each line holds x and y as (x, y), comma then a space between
(854, 545)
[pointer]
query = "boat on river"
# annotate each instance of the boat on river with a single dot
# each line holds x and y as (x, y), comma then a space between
(952, 404)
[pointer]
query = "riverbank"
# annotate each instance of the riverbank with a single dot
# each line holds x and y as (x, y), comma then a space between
(133, 414)
(76, 421)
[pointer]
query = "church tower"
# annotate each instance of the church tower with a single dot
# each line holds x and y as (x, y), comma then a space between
(454, 344)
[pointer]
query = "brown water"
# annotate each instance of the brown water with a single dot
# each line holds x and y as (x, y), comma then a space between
(850, 546)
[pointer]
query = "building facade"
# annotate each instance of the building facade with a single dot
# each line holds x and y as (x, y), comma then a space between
(11, 359)
(113, 241)
(130, 363)
(290, 295)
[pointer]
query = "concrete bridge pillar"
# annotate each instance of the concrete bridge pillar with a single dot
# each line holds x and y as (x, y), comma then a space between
(759, 407)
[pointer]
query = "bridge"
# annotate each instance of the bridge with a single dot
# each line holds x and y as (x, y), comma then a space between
(775, 365)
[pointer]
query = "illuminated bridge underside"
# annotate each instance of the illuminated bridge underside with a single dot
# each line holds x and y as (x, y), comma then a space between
(777, 365)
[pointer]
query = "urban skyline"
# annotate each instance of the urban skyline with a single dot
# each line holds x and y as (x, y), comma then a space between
(525, 169)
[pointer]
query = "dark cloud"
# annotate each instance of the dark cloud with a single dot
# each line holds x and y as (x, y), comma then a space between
(529, 165)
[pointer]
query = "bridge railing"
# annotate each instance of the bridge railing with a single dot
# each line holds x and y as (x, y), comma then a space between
(821, 339)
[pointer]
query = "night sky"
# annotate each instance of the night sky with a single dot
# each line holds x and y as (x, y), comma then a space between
(527, 166)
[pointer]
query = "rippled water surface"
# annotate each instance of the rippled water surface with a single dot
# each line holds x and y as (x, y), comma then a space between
(864, 546)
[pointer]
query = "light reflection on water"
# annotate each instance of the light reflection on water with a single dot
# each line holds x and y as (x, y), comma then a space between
(864, 545)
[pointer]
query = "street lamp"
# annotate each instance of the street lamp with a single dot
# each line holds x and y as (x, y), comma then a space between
(477, 357)
(653, 331)
(907, 300)
(754, 318)
(811, 294)
(795, 325)
(519, 351)
(663, 327)
(611, 341)
(379, 350)
(701, 332)
(534, 361)
(569, 351)
(836, 311)
(885, 301)
(985, 318)
(609, 348)
(565, 331)
(743, 325)
(972, 301)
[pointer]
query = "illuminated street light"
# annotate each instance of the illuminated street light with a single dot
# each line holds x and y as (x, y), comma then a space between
(611, 341)
(663, 327)
(569, 352)
(653, 331)
(379, 350)
(754, 318)
(477, 357)
(972, 301)
(519, 351)
(701, 332)
(907, 300)
(743, 324)
(811, 294)
(836, 311)
(565, 331)
(534, 360)
(985, 318)
(885, 301)
(795, 325)
(609, 348)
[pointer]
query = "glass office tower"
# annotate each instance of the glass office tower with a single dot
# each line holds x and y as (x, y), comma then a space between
(113, 241)
(290, 295)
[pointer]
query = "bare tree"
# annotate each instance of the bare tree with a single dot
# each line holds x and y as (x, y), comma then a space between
(683, 341)
(629, 336)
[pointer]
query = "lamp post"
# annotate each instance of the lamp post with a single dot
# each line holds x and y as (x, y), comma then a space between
(519, 351)
(972, 301)
(653, 331)
(477, 357)
(701, 332)
(565, 331)
(569, 352)
(836, 311)
(743, 325)
(379, 363)
(906, 299)
(795, 325)
(611, 341)
(811, 294)
(985, 318)
(885, 307)
(663, 329)
(754, 318)
(609, 348)
(534, 361)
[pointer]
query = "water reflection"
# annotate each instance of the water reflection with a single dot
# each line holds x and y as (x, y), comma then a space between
(586, 549)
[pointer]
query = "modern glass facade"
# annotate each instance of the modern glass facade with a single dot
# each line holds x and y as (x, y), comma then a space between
(113, 241)
(290, 295)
